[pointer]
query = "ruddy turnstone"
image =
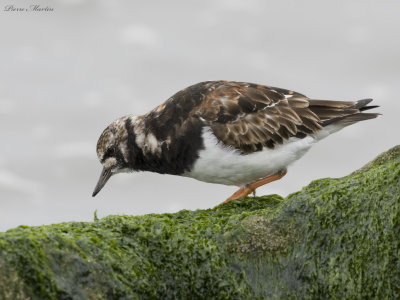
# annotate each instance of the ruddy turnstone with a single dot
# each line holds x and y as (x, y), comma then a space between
(231, 133)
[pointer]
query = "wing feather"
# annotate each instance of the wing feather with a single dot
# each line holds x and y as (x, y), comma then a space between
(247, 117)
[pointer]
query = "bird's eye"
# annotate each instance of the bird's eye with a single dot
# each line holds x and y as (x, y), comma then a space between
(110, 152)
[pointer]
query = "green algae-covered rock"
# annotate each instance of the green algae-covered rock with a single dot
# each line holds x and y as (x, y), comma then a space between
(336, 238)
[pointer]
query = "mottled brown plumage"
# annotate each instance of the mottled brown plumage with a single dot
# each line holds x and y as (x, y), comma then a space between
(247, 116)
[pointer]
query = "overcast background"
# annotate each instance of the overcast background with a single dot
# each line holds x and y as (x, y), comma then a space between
(66, 74)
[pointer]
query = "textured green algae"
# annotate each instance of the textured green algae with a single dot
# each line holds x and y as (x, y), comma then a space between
(345, 242)
(337, 238)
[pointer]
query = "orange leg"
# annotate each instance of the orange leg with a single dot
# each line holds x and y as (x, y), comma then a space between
(251, 187)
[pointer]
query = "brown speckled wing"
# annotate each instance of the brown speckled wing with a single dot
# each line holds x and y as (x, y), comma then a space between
(249, 117)
(245, 116)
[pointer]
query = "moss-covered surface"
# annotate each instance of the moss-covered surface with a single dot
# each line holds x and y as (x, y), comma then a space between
(336, 238)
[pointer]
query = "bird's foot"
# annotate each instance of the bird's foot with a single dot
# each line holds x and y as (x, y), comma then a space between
(251, 187)
(241, 193)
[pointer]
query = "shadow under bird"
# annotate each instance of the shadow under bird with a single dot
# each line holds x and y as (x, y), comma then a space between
(225, 132)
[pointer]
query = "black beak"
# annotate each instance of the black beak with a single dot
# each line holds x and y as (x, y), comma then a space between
(104, 176)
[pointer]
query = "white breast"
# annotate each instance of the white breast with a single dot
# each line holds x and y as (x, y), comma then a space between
(225, 165)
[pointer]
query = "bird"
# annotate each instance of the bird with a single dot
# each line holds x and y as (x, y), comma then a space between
(224, 132)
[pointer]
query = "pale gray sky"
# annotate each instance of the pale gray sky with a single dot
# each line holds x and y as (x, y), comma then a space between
(67, 74)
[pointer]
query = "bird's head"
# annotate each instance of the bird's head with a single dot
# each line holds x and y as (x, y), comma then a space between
(111, 151)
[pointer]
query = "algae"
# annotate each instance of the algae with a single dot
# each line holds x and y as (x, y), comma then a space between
(336, 238)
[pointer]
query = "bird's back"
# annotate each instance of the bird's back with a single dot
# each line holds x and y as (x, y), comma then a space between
(249, 117)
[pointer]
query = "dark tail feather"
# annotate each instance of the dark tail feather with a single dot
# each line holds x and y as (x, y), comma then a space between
(362, 105)
(352, 118)
(342, 111)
